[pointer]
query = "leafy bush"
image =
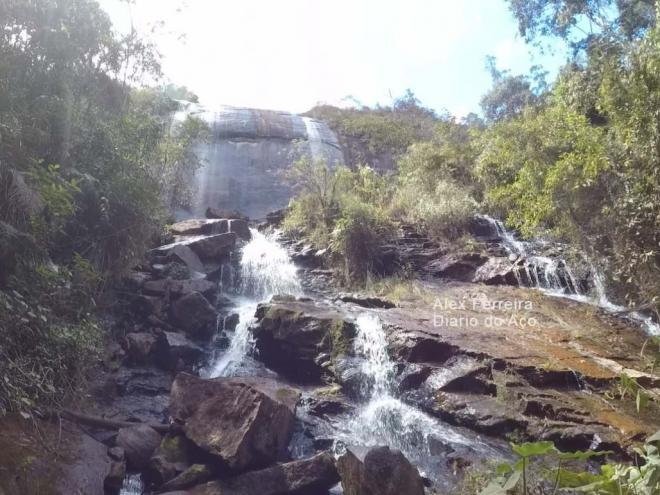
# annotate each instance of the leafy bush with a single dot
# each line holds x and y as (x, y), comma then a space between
(358, 236)
(541, 468)
(445, 213)
(341, 209)
(48, 337)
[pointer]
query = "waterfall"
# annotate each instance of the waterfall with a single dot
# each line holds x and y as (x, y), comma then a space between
(555, 277)
(265, 270)
(383, 419)
(132, 485)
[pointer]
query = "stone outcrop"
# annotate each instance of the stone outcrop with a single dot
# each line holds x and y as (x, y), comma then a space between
(456, 266)
(207, 247)
(139, 443)
(497, 271)
(174, 351)
(508, 361)
(315, 475)
(201, 226)
(248, 150)
(296, 337)
(194, 314)
(246, 422)
(378, 471)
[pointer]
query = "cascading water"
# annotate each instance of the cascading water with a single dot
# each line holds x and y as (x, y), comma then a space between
(555, 276)
(133, 485)
(265, 270)
(384, 419)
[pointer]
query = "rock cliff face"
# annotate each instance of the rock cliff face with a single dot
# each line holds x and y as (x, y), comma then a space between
(247, 153)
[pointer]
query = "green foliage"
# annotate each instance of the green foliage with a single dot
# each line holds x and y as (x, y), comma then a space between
(444, 212)
(378, 136)
(627, 386)
(541, 468)
(48, 336)
(341, 209)
(89, 165)
(582, 22)
(543, 169)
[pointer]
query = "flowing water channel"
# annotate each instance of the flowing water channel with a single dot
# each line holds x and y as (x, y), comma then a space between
(381, 417)
(555, 276)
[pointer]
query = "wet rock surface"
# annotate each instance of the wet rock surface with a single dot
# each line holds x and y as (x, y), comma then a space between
(378, 471)
(296, 337)
(462, 361)
(247, 423)
(312, 476)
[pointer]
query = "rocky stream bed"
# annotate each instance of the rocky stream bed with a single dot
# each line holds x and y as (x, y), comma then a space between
(243, 370)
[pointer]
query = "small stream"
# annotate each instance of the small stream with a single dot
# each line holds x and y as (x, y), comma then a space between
(555, 277)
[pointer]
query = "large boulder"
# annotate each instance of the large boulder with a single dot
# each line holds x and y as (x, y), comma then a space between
(497, 271)
(312, 476)
(183, 254)
(455, 266)
(139, 346)
(208, 247)
(172, 350)
(228, 214)
(378, 471)
(195, 315)
(169, 460)
(246, 422)
(200, 226)
(241, 228)
(139, 443)
(178, 288)
(294, 336)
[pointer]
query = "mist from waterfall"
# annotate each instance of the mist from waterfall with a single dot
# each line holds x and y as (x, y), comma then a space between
(265, 270)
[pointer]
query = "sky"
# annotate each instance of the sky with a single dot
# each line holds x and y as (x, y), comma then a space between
(293, 54)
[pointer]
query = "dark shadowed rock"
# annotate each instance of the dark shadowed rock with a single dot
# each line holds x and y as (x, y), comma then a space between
(144, 305)
(246, 422)
(496, 271)
(366, 301)
(139, 443)
(178, 288)
(207, 247)
(183, 254)
(200, 226)
(378, 471)
(455, 266)
(241, 228)
(192, 476)
(292, 335)
(173, 348)
(195, 315)
(139, 346)
(115, 478)
(228, 214)
(313, 476)
(170, 459)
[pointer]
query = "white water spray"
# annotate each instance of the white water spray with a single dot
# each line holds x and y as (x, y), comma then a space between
(384, 419)
(265, 270)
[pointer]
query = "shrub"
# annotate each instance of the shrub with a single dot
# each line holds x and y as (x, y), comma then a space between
(445, 212)
(358, 237)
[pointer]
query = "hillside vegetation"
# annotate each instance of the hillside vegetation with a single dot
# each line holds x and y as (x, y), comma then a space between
(86, 158)
(576, 160)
